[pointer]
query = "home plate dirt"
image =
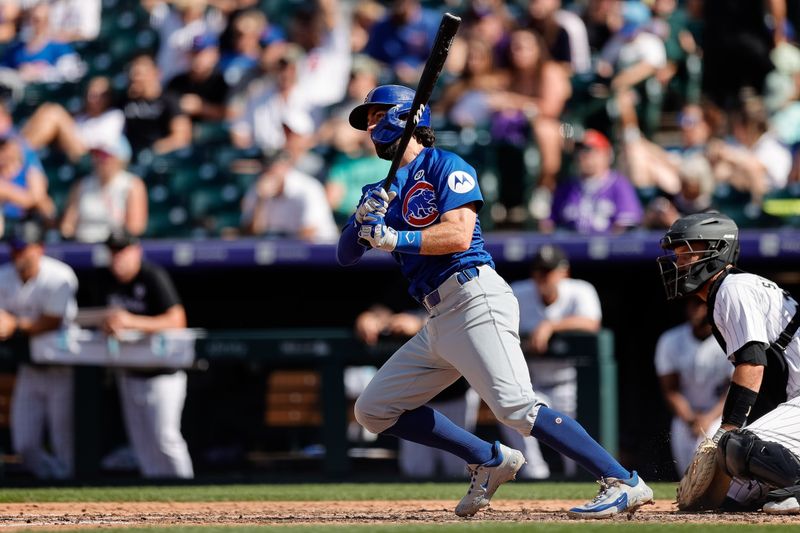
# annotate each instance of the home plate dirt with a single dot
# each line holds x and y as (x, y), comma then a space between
(99, 514)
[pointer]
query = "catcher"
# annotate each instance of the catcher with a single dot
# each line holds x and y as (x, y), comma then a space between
(754, 321)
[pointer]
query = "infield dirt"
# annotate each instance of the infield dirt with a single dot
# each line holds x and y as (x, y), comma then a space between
(112, 514)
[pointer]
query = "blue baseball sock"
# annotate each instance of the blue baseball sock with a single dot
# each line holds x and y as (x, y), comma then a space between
(427, 426)
(566, 436)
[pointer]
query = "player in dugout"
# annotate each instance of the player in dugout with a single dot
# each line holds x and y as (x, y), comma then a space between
(428, 221)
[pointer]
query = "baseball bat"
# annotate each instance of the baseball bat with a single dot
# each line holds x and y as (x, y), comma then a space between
(427, 81)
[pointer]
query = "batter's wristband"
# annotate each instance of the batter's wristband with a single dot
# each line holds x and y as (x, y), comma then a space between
(409, 242)
(738, 404)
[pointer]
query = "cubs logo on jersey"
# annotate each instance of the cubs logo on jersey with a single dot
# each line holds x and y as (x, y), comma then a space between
(419, 205)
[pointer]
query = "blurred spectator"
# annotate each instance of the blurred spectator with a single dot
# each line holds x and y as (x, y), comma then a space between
(111, 199)
(550, 301)
(75, 20)
(97, 122)
(489, 21)
(757, 163)
(323, 32)
(653, 166)
(631, 59)
(7, 129)
(246, 31)
(10, 13)
(466, 101)
(736, 46)
(535, 89)
(142, 299)
(600, 200)
(694, 375)
(354, 162)
(23, 185)
(403, 39)
(39, 57)
(603, 19)
(542, 20)
(783, 93)
(564, 34)
(37, 305)
(285, 202)
(458, 402)
(153, 119)
(202, 91)
(366, 14)
(274, 109)
(178, 22)
(678, 40)
(695, 196)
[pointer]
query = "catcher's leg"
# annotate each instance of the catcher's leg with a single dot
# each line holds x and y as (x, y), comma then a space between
(741, 453)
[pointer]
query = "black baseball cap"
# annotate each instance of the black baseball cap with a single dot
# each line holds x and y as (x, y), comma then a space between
(549, 257)
(25, 233)
(119, 239)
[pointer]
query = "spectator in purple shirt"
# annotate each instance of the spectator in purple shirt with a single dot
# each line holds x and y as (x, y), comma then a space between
(601, 200)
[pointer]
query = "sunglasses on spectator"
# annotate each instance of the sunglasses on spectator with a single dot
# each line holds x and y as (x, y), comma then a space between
(688, 121)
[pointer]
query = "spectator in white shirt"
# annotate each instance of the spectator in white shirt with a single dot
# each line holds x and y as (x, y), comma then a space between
(97, 123)
(284, 202)
(75, 20)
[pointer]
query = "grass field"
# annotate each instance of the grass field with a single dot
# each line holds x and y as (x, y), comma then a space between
(309, 492)
(362, 507)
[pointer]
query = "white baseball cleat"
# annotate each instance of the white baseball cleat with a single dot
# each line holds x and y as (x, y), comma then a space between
(486, 479)
(788, 506)
(615, 496)
(783, 501)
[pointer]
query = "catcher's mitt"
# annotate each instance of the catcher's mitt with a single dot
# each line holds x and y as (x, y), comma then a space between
(704, 485)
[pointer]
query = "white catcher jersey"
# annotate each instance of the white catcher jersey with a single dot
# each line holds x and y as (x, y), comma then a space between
(750, 308)
(703, 370)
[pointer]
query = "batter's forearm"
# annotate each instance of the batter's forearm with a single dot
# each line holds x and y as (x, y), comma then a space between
(445, 238)
(349, 251)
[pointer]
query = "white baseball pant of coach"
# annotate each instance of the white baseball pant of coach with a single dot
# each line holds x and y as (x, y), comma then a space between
(473, 332)
(152, 408)
(43, 396)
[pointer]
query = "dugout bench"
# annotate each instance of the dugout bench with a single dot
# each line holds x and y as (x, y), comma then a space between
(329, 351)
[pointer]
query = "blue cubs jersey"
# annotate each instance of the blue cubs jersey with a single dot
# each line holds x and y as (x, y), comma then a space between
(434, 183)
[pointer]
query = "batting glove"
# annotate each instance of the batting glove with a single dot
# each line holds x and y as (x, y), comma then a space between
(378, 234)
(376, 202)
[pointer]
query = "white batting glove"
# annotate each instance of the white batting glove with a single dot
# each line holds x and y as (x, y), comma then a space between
(378, 235)
(376, 202)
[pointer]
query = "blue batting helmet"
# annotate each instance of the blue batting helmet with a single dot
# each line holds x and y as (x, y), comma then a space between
(398, 101)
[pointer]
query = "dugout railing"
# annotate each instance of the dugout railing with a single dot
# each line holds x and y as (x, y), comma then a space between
(329, 352)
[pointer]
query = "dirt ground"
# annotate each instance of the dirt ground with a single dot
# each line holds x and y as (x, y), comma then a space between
(108, 514)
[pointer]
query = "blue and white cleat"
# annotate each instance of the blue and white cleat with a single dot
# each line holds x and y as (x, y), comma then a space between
(486, 479)
(615, 496)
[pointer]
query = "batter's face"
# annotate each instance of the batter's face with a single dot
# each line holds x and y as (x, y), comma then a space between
(374, 115)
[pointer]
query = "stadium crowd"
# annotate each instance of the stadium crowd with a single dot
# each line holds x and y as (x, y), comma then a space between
(196, 118)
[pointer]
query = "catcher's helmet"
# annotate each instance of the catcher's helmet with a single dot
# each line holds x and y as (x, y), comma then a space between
(713, 237)
(397, 100)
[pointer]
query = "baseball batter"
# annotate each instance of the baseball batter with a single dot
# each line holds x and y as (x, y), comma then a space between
(37, 300)
(755, 322)
(428, 222)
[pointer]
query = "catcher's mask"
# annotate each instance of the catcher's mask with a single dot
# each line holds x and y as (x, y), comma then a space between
(397, 100)
(699, 246)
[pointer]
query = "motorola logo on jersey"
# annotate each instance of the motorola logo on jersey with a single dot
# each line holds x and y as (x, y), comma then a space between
(419, 205)
(460, 182)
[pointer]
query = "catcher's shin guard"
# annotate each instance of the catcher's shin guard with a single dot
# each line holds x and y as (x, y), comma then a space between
(742, 454)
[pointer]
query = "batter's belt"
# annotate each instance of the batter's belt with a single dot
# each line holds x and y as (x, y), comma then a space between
(434, 298)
